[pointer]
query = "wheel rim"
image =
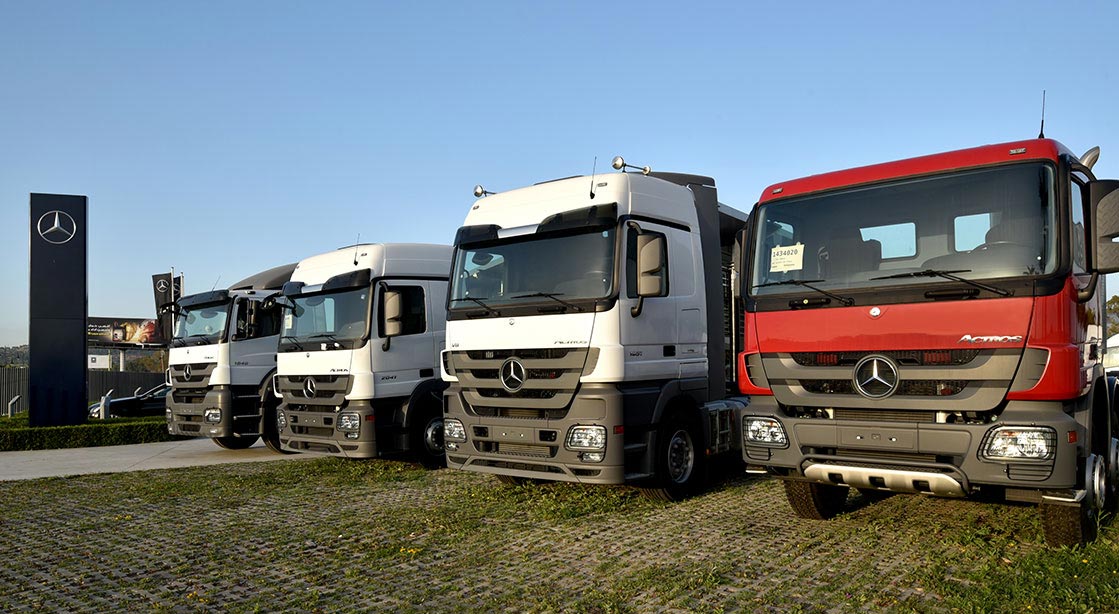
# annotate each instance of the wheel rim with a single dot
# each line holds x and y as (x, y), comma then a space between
(433, 436)
(681, 457)
(1095, 479)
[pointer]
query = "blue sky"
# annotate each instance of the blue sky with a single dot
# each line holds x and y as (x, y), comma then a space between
(225, 138)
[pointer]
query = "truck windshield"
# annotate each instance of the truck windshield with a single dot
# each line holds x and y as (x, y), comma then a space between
(559, 270)
(201, 324)
(330, 320)
(981, 224)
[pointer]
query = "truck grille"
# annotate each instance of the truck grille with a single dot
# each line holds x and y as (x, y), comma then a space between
(199, 375)
(884, 415)
(315, 392)
(902, 357)
(951, 380)
(551, 376)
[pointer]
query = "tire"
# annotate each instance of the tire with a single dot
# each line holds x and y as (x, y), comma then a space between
(816, 501)
(1067, 525)
(236, 443)
(427, 439)
(679, 461)
(270, 431)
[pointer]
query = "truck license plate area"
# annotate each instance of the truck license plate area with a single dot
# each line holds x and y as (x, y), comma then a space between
(877, 438)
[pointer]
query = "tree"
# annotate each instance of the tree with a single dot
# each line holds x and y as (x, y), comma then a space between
(1113, 316)
(154, 362)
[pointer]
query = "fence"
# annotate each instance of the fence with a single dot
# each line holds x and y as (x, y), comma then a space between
(14, 380)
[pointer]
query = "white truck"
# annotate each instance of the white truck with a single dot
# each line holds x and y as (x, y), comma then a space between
(590, 332)
(222, 358)
(358, 349)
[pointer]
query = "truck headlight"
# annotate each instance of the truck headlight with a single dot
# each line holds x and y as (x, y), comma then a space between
(761, 431)
(349, 421)
(281, 420)
(212, 416)
(453, 430)
(1019, 443)
(591, 438)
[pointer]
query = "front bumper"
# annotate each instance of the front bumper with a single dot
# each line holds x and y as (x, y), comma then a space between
(316, 432)
(187, 417)
(534, 447)
(939, 459)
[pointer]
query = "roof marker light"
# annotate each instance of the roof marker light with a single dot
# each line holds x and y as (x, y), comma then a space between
(619, 164)
(1017, 150)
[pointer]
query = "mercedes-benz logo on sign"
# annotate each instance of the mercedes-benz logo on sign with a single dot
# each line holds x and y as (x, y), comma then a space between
(57, 227)
(876, 377)
(161, 285)
(186, 372)
(512, 375)
(309, 387)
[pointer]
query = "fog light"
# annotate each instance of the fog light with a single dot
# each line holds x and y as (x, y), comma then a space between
(586, 438)
(349, 421)
(450, 445)
(453, 431)
(351, 435)
(592, 457)
(763, 432)
(1018, 443)
(213, 416)
(281, 420)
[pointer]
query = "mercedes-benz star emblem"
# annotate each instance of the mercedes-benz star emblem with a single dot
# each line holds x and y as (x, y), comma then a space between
(161, 285)
(186, 372)
(512, 375)
(309, 387)
(876, 377)
(56, 227)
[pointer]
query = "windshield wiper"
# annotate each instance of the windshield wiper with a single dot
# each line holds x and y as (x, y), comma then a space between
(846, 301)
(479, 302)
(186, 339)
(293, 341)
(947, 275)
(553, 296)
(324, 336)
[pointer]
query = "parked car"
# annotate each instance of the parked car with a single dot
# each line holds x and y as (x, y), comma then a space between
(150, 403)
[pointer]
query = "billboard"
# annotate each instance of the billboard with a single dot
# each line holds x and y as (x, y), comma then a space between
(124, 331)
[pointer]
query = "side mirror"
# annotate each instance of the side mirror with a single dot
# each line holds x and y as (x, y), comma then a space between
(650, 268)
(275, 301)
(392, 313)
(1104, 195)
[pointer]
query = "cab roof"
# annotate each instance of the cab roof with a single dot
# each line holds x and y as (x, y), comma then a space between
(1014, 151)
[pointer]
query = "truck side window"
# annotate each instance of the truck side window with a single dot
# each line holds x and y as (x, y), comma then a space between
(415, 315)
(1079, 242)
(631, 264)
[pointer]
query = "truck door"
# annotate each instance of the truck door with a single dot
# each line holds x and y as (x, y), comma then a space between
(651, 338)
(397, 369)
(253, 337)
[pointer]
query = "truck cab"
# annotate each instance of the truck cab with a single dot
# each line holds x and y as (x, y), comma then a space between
(359, 342)
(222, 358)
(934, 326)
(587, 333)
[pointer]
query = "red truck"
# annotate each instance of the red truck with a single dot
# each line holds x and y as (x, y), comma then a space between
(935, 325)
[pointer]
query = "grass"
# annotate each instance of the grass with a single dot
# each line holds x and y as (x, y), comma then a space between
(328, 534)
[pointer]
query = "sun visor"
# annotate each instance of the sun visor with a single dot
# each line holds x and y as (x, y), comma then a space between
(353, 279)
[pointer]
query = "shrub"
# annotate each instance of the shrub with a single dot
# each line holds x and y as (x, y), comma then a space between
(15, 434)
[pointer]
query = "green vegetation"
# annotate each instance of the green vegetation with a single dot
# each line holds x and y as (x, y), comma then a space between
(325, 534)
(16, 434)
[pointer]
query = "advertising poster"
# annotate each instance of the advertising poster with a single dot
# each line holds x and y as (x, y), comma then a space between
(124, 331)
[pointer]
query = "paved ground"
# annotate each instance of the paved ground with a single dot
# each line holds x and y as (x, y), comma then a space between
(334, 535)
(114, 459)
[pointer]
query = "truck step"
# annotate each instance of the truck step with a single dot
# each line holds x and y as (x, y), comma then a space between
(630, 477)
(636, 448)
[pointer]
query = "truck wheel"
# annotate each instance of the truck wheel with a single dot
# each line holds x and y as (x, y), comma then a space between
(427, 439)
(269, 404)
(679, 461)
(236, 443)
(815, 501)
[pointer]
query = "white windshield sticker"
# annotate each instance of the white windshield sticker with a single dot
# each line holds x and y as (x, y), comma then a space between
(786, 258)
(287, 320)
